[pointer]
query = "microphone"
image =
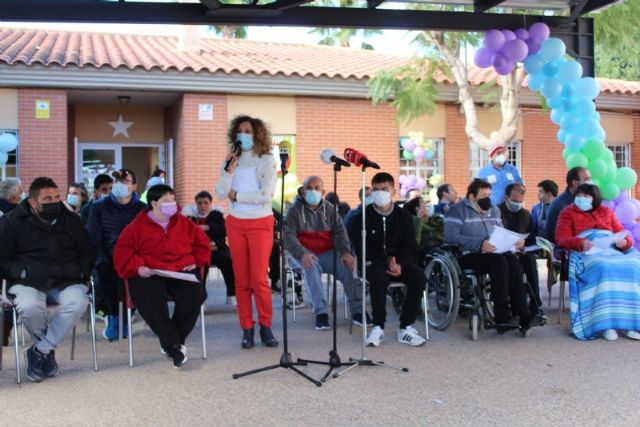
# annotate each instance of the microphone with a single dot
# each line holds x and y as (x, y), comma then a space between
(357, 158)
(328, 156)
(237, 151)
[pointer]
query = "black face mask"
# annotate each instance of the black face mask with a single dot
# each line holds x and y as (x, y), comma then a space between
(50, 211)
(484, 203)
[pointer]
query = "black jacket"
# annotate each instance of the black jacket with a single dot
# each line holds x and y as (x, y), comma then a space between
(388, 236)
(518, 222)
(217, 232)
(6, 207)
(41, 255)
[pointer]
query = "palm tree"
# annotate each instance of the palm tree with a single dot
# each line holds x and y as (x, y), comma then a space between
(342, 36)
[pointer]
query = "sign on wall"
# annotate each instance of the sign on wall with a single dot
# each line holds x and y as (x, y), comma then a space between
(43, 109)
(205, 112)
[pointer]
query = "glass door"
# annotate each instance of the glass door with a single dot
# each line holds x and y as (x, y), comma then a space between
(94, 159)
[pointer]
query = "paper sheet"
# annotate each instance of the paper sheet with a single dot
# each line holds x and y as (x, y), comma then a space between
(606, 242)
(532, 248)
(245, 180)
(505, 240)
(187, 277)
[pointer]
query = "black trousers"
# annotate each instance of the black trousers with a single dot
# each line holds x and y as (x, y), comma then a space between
(110, 283)
(274, 263)
(507, 288)
(530, 268)
(412, 276)
(222, 259)
(151, 296)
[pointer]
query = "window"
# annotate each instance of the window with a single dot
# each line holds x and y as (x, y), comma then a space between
(427, 167)
(11, 168)
(621, 154)
(480, 158)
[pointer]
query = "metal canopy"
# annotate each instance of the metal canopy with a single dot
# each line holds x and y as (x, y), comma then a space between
(575, 30)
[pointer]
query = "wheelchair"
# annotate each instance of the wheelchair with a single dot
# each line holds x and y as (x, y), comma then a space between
(452, 290)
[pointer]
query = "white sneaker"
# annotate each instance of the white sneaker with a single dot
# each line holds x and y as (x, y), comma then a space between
(232, 301)
(375, 337)
(410, 337)
(610, 335)
(634, 335)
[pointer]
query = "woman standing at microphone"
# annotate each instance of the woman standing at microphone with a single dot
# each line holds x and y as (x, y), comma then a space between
(248, 180)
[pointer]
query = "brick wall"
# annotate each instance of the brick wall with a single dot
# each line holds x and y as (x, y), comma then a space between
(43, 142)
(456, 150)
(341, 123)
(71, 134)
(635, 150)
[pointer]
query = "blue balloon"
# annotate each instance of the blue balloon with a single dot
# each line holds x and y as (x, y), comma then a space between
(551, 88)
(574, 141)
(568, 105)
(556, 103)
(600, 134)
(556, 116)
(585, 107)
(562, 135)
(570, 122)
(552, 49)
(589, 128)
(587, 87)
(570, 71)
(533, 64)
(567, 90)
(535, 82)
(550, 69)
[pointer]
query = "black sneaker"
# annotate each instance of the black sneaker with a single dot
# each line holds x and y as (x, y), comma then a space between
(34, 361)
(357, 319)
(177, 353)
(247, 338)
(322, 322)
(50, 367)
(299, 303)
(266, 335)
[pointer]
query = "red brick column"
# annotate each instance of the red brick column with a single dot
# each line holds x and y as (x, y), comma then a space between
(43, 147)
(341, 123)
(456, 150)
(635, 150)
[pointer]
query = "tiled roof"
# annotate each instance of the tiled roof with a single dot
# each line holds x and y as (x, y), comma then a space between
(100, 50)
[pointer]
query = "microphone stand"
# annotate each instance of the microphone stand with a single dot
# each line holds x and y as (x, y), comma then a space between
(286, 361)
(334, 359)
(363, 361)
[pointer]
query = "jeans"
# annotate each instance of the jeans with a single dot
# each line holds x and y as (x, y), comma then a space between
(32, 309)
(313, 282)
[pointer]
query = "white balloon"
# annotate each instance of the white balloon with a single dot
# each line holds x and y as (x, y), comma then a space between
(3, 158)
(8, 142)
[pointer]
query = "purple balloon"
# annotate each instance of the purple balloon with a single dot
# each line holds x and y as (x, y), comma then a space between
(421, 184)
(402, 179)
(522, 34)
(539, 31)
(494, 40)
(505, 69)
(403, 192)
(515, 50)
(482, 57)
(636, 203)
(410, 145)
(411, 181)
(623, 197)
(418, 153)
(609, 203)
(498, 60)
(636, 232)
(533, 44)
(626, 212)
(508, 35)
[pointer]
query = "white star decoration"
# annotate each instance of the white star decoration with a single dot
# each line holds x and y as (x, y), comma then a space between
(120, 127)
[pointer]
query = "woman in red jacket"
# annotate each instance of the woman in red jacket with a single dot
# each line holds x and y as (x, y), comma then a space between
(158, 239)
(604, 279)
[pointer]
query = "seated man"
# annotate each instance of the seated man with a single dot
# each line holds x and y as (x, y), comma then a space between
(517, 219)
(469, 223)
(357, 211)
(308, 237)
(575, 177)
(46, 254)
(446, 197)
(391, 252)
(547, 192)
(212, 223)
(101, 189)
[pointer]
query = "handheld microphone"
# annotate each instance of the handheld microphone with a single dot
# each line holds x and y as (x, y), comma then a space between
(328, 156)
(237, 151)
(357, 158)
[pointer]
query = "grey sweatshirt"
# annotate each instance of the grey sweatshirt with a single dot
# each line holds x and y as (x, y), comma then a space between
(464, 225)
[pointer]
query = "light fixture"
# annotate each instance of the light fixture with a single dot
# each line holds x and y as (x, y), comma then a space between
(124, 99)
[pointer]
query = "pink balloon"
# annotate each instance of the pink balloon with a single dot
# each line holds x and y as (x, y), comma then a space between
(626, 212)
(494, 40)
(482, 57)
(418, 153)
(522, 34)
(539, 31)
(515, 50)
(533, 45)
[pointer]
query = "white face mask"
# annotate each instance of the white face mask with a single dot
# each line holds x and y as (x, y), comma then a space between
(381, 198)
(500, 159)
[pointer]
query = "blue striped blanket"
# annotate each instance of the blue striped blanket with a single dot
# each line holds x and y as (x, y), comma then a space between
(604, 290)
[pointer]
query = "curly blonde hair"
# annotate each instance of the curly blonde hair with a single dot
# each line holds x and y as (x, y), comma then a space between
(261, 136)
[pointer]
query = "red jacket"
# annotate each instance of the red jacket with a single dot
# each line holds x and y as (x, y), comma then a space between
(573, 221)
(144, 243)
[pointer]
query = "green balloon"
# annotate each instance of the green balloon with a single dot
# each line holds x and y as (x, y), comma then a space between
(609, 191)
(577, 160)
(408, 155)
(612, 172)
(626, 178)
(598, 168)
(566, 153)
(607, 155)
(593, 148)
(596, 182)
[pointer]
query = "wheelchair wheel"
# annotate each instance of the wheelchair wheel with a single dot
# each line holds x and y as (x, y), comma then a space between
(474, 325)
(443, 290)
(487, 302)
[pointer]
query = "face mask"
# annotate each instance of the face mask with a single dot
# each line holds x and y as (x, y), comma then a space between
(120, 190)
(514, 206)
(590, 182)
(50, 211)
(368, 200)
(484, 203)
(381, 198)
(23, 195)
(500, 159)
(103, 196)
(246, 140)
(168, 209)
(584, 203)
(73, 200)
(312, 197)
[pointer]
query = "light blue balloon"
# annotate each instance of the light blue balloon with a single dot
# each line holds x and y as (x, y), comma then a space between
(570, 122)
(567, 90)
(533, 64)
(556, 116)
(589, 128)
(562, 135)
(556, 103)
(584, 107)
(568, 105)
(553, 48)
(570, 71)
(574, 142)
(535, 82)
(551, 88)
(550, 69)
(600, 134)
(587, 87)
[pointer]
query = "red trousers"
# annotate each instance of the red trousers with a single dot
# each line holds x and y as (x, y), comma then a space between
(250, 243)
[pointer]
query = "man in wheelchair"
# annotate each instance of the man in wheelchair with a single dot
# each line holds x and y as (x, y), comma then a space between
(469, 224)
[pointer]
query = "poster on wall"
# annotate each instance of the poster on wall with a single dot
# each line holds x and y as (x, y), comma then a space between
(205, 112)
(43, 109)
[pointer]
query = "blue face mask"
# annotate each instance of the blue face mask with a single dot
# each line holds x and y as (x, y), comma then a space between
(120, 190)
(23, 196)
(246, 140)
(104, 196)
(368, 200)
(73, 200)
(312, 197)
(583, 203)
